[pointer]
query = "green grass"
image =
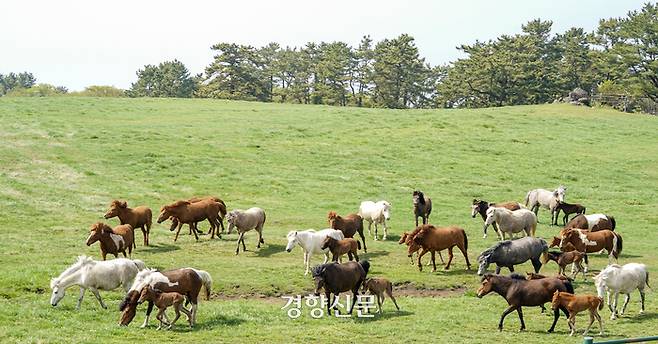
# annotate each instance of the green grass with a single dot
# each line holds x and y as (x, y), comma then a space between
(64, 159)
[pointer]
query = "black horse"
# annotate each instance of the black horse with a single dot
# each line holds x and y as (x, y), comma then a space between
(336, 278)
(422, 206)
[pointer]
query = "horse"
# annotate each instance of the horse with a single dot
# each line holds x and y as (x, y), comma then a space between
(191, 213)
(138, 217)
(336, 278)
(512, 252)
(578, 303)
(341, 247)
(562, 259)
(511, 221)
(349, 225)
(567, 209)
(112, 240)
(519, 292)
(412, 247)
(593, 222)
(311, 243)
(186, 281)
(379, 286)
(481, 207)
(193, 226)
(164, 300)
(422, 206)
(377, 213)
(543, 198)
(244, 221)
(589, 242)
(615, 279)
(432, 239)
(95, 275)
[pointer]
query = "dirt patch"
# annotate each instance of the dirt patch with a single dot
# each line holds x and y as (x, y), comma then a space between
(409, 289)
(258, 297)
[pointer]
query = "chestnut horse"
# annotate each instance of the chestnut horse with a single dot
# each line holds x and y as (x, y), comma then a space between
(412, 247)
(432, 239)
(349, 225)
(589, 242)
(578, 303)
(191, 213)
(193, 226)
(519, 292)
(138, 217)
(112, 241)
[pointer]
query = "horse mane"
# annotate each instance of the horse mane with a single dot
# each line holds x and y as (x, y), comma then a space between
(119, 203)
(516, 276)
(411, 236)
(79, 263)
(332, 215)
(365, 265)
(492, 249)
(177, 204)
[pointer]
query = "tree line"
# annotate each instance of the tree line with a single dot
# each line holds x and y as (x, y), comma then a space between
(535, 66)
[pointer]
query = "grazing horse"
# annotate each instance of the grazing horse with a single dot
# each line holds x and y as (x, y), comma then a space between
(191, 213)
(186, 281)
(519, 292)
(138, 217)
(590, 242)
(377, 213)
(567, 209)
(349, 225)
(311, 243)
(341, 247)
(616, 279)
(112, 240)
(481, 207)
(511, 221)
(512, 252)
(244, 221)
(578, 303)
(336, 278)
(593, 222)
(543, 198)
(432, 239)
(422, 206)
(95, 275)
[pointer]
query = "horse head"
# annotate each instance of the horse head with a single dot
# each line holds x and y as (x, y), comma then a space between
(58, 292)
(165, 213)
(475, 207)
(559, 193)
(484, 260)
(128, 307)
(292, 240)
(326, 242)
(386, 210)
(418, 197)
(95, 232)
(115, 208)
(332, 216)
(487, 285)
(318, 276)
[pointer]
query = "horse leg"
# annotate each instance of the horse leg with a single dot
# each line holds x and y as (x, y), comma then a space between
(417, 220)
(626, 300)
(520, 312)
(420, 254)
(598, 318)
(614, 306)
(327, 295)
(641, 302)
(98, 297)
(432, 253)
(376, 232)
(82, 295)
(586, 263)
(363, 238)
(498, 267)
(509, 310)
(244, 248)
(260, 238)
(441, 257)
(450, 255)
(385, 230)
(591, 321)
(188, 314)
(356, 256)
(536, 263)
(355, 293)
(306, 264)
(237, 249)
(465, 253)
(370, 228)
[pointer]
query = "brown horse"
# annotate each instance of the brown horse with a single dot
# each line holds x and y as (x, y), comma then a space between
(112, 241)
(191, 213)
(412, 247)
(183, 281)
(349, 225)
(163, 301)
(481, 206)
(222, 214)
(422, 206)
(337, 278)
(519, 292)
(567, 209)
(593, 222)
(578, 303)
(432, 239)
(341, 247)
(379, 286)
(589, 242)
(562, 259)
(138, 217)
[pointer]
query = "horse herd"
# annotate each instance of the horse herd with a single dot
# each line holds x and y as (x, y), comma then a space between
(581, 235)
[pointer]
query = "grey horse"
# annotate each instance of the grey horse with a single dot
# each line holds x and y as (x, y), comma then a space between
(513, 252)
(244, 221)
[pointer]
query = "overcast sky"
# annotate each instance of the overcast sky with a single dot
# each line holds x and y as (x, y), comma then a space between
(84, 42)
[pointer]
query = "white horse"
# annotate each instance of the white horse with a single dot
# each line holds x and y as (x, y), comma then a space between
(615, 279)
(537, 198)
(95, 275)
(311, 243)
(511, 221)
(377, 213)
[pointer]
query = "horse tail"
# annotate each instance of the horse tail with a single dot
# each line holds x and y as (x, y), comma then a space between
(568, 286)
(222, 209)
(646, 280)
(617, 244)
(613, 223)
(584, 210)
(365, 265)
(140, 264)
(527, 198)
(358, 244)
(206, 279)
(465, 240)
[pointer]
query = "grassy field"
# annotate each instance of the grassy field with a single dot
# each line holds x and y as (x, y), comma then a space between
(64, 159)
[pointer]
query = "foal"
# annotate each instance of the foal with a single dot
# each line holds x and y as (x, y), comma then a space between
(578, 303)
(567, 209)
(163, 300)
(377, 286)
(565, 258)
(349, 225)
(340, 247)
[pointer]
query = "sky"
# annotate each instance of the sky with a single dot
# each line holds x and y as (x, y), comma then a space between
(79, 43)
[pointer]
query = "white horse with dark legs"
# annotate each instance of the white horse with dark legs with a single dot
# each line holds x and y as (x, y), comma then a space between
(615, 279)
(311, 243)
(511, 222)
(537, 198)
(95, 275)
(377, 213)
